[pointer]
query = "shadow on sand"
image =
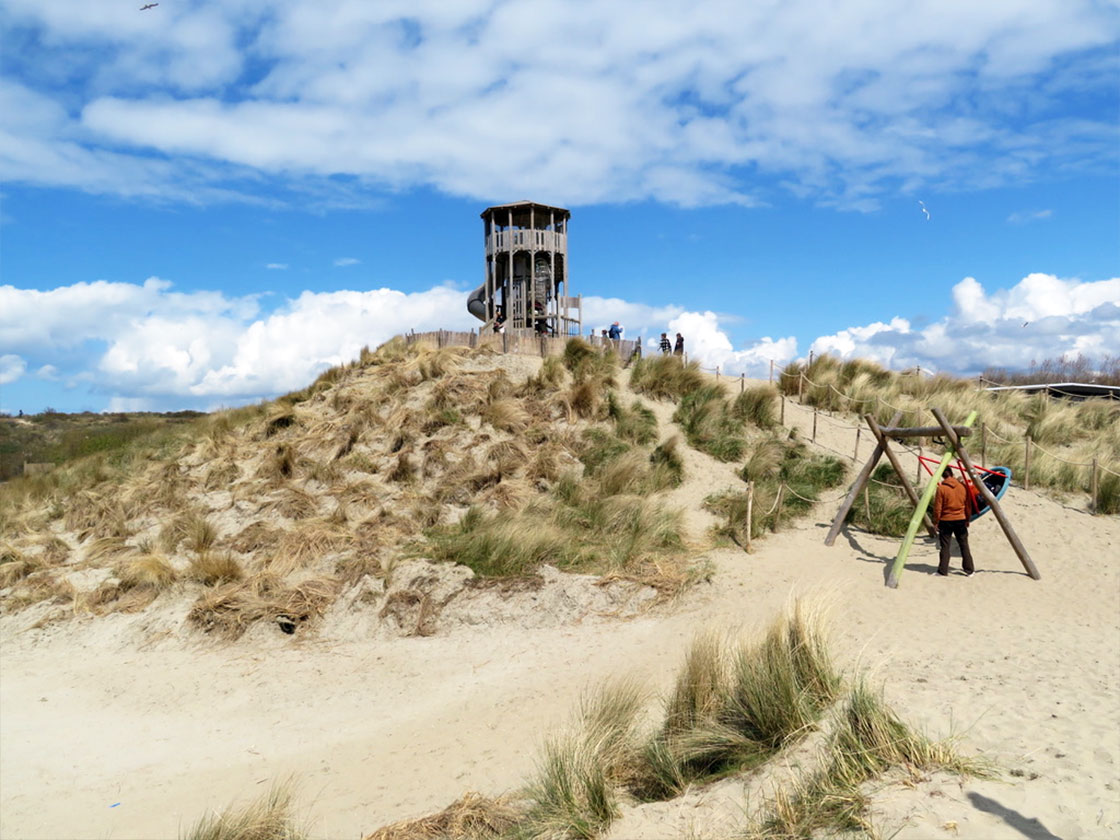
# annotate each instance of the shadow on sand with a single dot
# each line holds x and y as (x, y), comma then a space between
(1027, 826)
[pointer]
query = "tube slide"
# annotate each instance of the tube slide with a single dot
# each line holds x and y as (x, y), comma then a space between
(476, 302)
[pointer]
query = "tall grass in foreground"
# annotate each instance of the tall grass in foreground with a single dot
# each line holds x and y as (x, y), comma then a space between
(868, 740)
(733, 707)
(268, 818)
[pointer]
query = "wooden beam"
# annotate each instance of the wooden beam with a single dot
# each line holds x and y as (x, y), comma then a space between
(919, 512)
(989, 497)
(875, 430)
(860, 482)
(921, 431)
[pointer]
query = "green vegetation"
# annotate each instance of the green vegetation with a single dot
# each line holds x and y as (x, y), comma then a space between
(1066, 435)
(709, 424)
(885, 508)
(776, 466)
(56, 438)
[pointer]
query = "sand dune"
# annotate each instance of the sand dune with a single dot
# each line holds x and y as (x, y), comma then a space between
(131, 727)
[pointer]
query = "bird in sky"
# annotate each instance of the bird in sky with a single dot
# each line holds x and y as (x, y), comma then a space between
(147, 6)
(924, 210)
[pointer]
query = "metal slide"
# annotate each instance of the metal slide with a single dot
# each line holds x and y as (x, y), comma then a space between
(476, 302)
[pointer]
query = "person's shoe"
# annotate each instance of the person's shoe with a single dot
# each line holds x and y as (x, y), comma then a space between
(970, 574)
(943, 574)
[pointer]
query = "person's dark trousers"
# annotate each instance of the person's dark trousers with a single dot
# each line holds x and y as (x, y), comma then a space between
(945, 532)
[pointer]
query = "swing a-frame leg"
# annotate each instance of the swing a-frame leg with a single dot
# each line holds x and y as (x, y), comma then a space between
(860, 482)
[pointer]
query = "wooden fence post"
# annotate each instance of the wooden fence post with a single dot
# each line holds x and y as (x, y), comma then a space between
(717, 373)
(777, 509)
(782, 419)
(814, 424)
(918, 470)
(750, 513)
(1094, 485)
(771, 371)
(742, 382)
(855, 452)
(867, 504)
(800, 385)
(1027, 465)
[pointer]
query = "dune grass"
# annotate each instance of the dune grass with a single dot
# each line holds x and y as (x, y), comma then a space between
(268, 818)
(775, 465)
(867, 740)
(471, 817)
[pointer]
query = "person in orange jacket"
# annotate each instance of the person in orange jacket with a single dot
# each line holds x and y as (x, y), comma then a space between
(952, 506)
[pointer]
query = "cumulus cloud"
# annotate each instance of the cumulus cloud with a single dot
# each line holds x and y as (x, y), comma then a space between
(1042, 316)
(1022, 217)
(342, 262)
(693, 103)
(147, 346)
(11, 368)
(150, 343)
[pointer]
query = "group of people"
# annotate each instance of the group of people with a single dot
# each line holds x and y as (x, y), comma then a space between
(677, 348)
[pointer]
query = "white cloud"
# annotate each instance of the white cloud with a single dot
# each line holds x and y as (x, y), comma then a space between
(1042, 316)
(277, 266)
(342, 262)
(147, 345)
(148, 342)
(573, 101)
(11, 368)
(1022, 217)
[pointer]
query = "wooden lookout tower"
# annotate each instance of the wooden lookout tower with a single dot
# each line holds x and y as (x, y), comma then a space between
(526, 286)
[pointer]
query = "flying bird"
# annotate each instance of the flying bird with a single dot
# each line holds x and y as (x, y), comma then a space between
(147, 6)
(1025, 323)
(924, 210)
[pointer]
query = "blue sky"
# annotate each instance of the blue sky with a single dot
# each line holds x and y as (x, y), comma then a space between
(205, 204)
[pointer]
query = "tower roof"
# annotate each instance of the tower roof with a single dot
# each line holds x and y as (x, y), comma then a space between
(523, 206)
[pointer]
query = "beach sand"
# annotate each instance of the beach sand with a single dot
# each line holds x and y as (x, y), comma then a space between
(132, 727)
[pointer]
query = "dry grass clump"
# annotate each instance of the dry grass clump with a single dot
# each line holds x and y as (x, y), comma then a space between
(758, 405)
(255, 537)
(230, 609)
(213, 567)
(312, 539)
(470, 817)
(147, 570)
(15, 566)
(190, 528)
(268, 818)
(665, 377)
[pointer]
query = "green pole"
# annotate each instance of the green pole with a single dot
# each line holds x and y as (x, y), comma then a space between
(920, 511)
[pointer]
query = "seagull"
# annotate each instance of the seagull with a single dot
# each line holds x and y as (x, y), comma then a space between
(924, 210)
(147, 6)
(1025, 323)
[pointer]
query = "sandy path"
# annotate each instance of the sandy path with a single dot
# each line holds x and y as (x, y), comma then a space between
(377, 730)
